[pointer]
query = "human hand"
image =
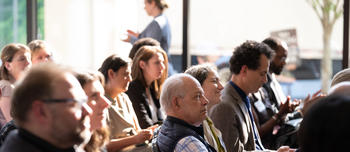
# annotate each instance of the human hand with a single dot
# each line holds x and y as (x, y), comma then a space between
(153, 127)
(143, 135)
(285, 149)
(285, 108)
(132, 33)
(308, 102)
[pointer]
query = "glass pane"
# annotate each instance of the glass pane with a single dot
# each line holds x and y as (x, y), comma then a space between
(217, 28)
(41, 29)
(12, 22)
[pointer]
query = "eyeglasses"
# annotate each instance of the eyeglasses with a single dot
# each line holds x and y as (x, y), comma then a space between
(80, 101)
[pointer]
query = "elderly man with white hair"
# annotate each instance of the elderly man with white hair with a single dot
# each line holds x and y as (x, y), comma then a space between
(185, 105)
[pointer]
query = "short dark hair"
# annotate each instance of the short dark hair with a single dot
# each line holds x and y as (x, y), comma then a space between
(325, 126)
(113, 62)
(36, 85)
(248, 54)
(161, 4)
(273, 43)
(142, 42)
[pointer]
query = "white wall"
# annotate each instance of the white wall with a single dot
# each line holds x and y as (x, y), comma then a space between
(85, 32)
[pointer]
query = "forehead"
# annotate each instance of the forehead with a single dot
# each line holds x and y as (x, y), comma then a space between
(264, 63)
(93, 87)
(67, 86)
(192, 86)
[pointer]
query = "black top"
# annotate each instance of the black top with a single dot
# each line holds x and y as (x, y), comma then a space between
(138, 97)
(21, 140)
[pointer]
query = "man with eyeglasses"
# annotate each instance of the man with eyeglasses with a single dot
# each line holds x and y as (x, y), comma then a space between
(49, 108)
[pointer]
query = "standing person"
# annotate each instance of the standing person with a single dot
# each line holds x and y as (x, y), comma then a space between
(209, 80)
(148, 71)
(158, 29)
(92, 84)
(40, 50)
(185, 105)
(121, 114)
(15, 59)
(50, 110)
(233, 116)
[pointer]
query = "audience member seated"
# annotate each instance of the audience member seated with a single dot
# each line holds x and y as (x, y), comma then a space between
(148, 71)
(41, 51)
(49, 108)
(275, 115)
(15, 59)
(185, 105)
(140, 43)
(325, 126)
(92, 83)
(233, 116)
(210, 82)
(341, 76)
(122, 120)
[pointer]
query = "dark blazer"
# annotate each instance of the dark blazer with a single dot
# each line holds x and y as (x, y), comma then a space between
(138, 97)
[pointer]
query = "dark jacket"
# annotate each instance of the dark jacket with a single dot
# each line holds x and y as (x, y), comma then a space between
(138, 97)
(173, 130)
(20, 140)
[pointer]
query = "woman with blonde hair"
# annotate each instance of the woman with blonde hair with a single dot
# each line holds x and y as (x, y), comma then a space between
(148, 71)
(15, 59)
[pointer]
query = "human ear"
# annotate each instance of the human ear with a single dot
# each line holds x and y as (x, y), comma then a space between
(8, 65)
(110, 73)
(142, 64)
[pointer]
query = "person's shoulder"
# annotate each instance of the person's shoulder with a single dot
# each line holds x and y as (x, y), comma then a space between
(13, 141)
(135, 85)
(190, 143)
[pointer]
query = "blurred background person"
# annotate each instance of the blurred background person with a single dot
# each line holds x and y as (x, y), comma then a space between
(158, 29)
(148, 71)
(15, 59)
(92, 84)
(40, 50)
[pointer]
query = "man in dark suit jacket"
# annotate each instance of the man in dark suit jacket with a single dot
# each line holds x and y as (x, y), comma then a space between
(233, 117)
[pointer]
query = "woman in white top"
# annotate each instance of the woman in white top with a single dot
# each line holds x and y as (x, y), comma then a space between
(122, 120)
(15, 59)
(209, 79)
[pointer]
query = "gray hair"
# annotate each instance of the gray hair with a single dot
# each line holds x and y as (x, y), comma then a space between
(173, 87)
(343, 75)
(201, 71)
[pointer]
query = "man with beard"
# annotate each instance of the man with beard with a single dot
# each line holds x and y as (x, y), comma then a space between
(49, 108)
(270, 104)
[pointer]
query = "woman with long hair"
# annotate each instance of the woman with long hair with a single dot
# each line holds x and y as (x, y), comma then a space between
(148, 71)
(122, 120)
(15, 59)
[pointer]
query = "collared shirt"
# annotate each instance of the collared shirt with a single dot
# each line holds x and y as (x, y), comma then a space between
(40, 143)
(213, 135)
(190, 144)
(247, 104)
